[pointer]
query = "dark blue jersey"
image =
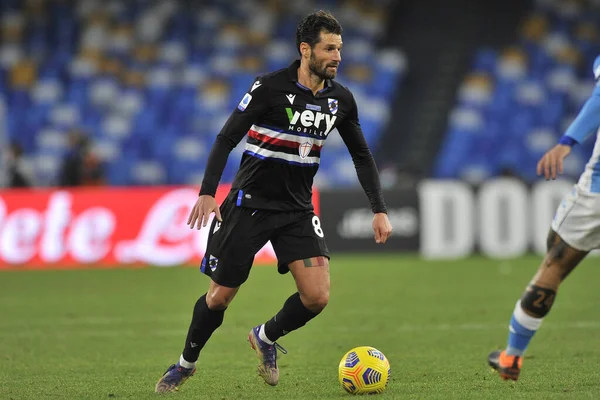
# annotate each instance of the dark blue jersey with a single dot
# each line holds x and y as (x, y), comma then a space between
(286, 127)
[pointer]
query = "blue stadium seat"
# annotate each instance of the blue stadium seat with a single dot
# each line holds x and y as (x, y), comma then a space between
(539, 85)
(137, 120)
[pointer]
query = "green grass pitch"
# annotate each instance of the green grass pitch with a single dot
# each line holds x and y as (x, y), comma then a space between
(110, 334)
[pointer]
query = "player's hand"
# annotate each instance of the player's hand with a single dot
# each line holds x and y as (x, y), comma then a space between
(552, 161)
(381, 227)
(205, 206)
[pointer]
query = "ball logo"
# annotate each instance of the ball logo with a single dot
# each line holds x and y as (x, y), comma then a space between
(304, 149)
(364, 370)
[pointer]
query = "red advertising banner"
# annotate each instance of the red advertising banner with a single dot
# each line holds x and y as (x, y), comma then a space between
(104, 227)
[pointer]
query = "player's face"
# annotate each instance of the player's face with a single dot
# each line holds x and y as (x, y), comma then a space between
(326, 56)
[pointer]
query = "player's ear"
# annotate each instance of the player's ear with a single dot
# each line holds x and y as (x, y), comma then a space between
(305, 50)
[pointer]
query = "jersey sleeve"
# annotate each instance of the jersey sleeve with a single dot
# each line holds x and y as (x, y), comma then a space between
(363, 160)
(251, 107)
(588, 119)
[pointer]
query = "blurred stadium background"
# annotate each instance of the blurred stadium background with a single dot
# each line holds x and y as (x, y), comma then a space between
(461, 93)
(108, 110)
(451, 89)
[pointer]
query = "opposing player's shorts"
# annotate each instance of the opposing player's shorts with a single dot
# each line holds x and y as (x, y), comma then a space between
(233, 243)
(577, 220)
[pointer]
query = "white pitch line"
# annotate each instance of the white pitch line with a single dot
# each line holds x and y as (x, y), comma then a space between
(128, 332)
(185, 317)
(83, 321)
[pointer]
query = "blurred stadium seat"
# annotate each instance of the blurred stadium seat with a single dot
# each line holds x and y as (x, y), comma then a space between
(515, 103)
(152, 82)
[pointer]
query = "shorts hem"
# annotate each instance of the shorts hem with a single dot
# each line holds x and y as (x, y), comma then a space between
(282, 266)
(304, 258)
(570, 242)
(227, 284)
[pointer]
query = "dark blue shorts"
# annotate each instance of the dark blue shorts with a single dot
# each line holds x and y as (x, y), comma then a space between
(232, 244)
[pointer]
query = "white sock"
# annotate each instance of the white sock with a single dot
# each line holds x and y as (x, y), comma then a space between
(263, 336)
(186, 364)
(529, 322)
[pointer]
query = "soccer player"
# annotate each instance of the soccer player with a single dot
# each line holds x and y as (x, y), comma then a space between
(575, 231)
(287, 115)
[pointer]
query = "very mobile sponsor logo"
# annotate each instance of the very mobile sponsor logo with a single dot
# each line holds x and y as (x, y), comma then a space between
(312, 122)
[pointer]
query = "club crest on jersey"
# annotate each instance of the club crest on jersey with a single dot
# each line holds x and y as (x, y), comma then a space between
(333, 105)
(304, 149)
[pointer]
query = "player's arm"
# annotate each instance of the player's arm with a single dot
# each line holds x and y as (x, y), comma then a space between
(366, 169)
(586, 122)
(248, 111)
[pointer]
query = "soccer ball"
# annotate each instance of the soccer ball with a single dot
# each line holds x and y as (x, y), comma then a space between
(364, 370)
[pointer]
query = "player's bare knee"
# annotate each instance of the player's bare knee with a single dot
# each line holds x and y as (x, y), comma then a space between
(219, 297)
(316, 301)
(537, 300)
(217, 302)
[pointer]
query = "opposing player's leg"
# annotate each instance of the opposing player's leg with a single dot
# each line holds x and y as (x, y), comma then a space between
(534, 304)
(301, 249)
(206, 318)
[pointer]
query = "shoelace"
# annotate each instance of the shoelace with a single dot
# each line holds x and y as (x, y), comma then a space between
(182, 370)
(271, 355)
(280, 348)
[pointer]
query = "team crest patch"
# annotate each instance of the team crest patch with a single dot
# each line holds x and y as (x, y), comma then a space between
(333, 105)
(213, 262)
(304, 149)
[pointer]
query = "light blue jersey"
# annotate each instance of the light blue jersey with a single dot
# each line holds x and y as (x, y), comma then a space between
(586, 123)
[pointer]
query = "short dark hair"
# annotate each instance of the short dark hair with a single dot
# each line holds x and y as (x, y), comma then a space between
(311, 26)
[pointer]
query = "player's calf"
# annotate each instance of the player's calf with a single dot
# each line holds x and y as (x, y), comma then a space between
(538, 298)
